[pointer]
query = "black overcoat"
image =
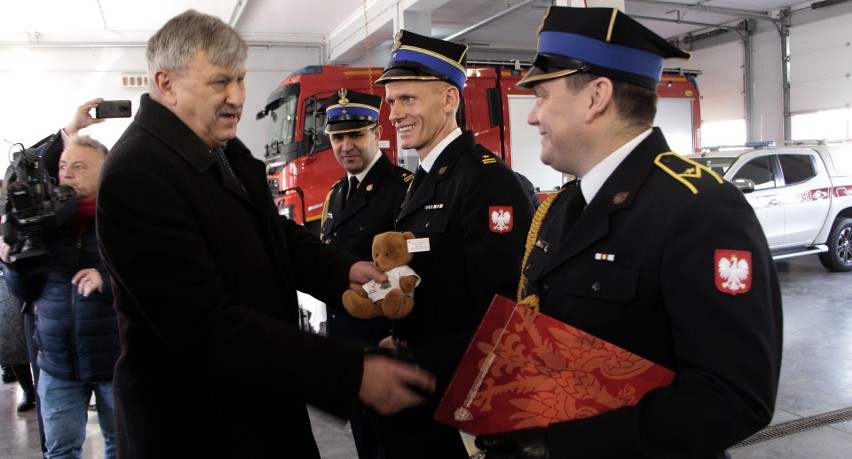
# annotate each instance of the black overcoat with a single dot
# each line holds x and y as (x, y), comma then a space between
(640, 269)
(205, 272)
(350, 227)
(474, 253)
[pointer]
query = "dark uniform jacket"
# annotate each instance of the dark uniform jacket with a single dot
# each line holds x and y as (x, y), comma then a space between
(350, 226)
(640, 269)
(204, 273)
(473, 255)
(76, 336)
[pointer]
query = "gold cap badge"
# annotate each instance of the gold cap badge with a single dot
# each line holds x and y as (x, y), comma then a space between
(342, 93)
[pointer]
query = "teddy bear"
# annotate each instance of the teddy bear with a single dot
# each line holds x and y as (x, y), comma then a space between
(393, 298)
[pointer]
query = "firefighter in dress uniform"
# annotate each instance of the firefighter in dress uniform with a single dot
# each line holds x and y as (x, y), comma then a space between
(360, 205)
(647, 250)
(470, 215)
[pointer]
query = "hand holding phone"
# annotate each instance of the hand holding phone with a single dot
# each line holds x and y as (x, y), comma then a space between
(113, 109)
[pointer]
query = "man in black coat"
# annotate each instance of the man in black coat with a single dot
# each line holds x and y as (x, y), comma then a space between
(666, 260)
(470, 215)
(359, 206)
(205, 273)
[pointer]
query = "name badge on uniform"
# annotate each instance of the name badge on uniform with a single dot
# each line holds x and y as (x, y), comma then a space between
(418, 245)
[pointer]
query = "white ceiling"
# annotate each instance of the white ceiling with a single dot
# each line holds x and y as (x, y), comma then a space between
(338, 24)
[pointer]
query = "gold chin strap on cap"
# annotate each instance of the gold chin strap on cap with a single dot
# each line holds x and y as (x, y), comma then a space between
(532, 301)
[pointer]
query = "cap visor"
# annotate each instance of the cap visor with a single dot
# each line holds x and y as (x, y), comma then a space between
(537, 75)
(348, 126)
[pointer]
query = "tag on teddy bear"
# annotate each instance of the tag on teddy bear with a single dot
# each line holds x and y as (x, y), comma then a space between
(418, 245)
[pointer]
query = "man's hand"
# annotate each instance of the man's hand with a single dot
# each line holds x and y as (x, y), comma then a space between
(4, 251)
(82, 119)
(518, 444)
(388, 386)
(362, 272)
(87, 281)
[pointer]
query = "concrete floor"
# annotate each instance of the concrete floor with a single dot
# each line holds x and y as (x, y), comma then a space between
(816, 378)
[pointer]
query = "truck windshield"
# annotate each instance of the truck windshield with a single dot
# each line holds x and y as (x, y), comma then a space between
(283, 115)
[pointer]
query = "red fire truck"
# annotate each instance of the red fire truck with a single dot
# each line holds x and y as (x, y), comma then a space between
(301, 166)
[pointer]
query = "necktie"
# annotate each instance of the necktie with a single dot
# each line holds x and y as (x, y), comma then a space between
(219, 154)
(353, 185)
(419, 175)
(574, 206)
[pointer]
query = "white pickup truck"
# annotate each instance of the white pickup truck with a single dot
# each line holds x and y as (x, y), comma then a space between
(801, 192)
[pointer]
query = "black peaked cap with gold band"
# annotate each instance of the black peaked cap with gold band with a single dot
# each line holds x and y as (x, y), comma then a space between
(600, 41)
(351, 111)
(417, 57)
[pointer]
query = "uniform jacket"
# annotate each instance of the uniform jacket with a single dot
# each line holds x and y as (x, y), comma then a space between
(370, 211)
(640, 269)
(205, 271)
(76, 336)
(472, 257)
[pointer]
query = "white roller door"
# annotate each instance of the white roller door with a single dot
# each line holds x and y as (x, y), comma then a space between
(821, 65)
(720, 82)
(674, 117)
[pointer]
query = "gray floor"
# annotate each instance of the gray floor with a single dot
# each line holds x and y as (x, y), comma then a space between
(816, 378)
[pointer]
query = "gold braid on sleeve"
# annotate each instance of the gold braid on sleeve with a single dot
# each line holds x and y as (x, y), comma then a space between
(532, 301)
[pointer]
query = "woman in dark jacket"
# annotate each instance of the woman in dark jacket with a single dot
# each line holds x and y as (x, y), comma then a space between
(76, 326)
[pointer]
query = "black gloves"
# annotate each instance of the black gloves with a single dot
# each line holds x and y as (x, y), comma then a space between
(518, 444)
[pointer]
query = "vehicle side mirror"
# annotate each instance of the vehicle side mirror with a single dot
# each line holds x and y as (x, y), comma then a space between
(744, 185)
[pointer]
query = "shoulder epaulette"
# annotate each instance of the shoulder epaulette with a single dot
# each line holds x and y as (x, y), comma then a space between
(401, 173)
(489, 159)
(684, 170)
(484, 155)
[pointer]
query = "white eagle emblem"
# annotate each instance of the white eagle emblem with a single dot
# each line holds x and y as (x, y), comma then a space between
(501, 219)
(733, 274)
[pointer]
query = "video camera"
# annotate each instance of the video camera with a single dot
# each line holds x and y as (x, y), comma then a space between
(31, 205)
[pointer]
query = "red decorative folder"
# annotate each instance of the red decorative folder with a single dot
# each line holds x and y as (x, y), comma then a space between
(525, 369)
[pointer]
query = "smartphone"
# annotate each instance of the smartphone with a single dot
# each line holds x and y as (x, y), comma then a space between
(113, 109)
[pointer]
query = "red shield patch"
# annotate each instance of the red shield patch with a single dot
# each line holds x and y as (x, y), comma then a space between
(500, 218)
(733, 271)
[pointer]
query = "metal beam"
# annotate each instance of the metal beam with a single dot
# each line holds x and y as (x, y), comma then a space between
(487, 21)
(237, 12)
(668, 6)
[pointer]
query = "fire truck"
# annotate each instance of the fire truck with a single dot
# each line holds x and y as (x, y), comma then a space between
(301, 166)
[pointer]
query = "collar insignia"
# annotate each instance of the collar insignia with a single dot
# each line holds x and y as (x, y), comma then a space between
(619, 198)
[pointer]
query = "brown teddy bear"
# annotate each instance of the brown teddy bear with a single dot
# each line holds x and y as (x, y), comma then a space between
(393, 298)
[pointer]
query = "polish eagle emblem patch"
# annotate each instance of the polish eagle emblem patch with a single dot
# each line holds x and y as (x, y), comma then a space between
(733, 271)
(500, 219)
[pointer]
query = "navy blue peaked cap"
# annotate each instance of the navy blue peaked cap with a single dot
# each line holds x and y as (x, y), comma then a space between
(350, 111)
(601, 41)
(417, 57)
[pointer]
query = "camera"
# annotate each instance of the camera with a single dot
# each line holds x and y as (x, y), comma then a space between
(32, 205)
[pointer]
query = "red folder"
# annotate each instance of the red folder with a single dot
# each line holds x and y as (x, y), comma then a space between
(525, 369)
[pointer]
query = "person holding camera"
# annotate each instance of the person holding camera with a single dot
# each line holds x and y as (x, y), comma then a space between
(76, 329)
(51, 147)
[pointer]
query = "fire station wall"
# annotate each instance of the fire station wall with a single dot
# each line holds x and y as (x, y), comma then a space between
(44, 85)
